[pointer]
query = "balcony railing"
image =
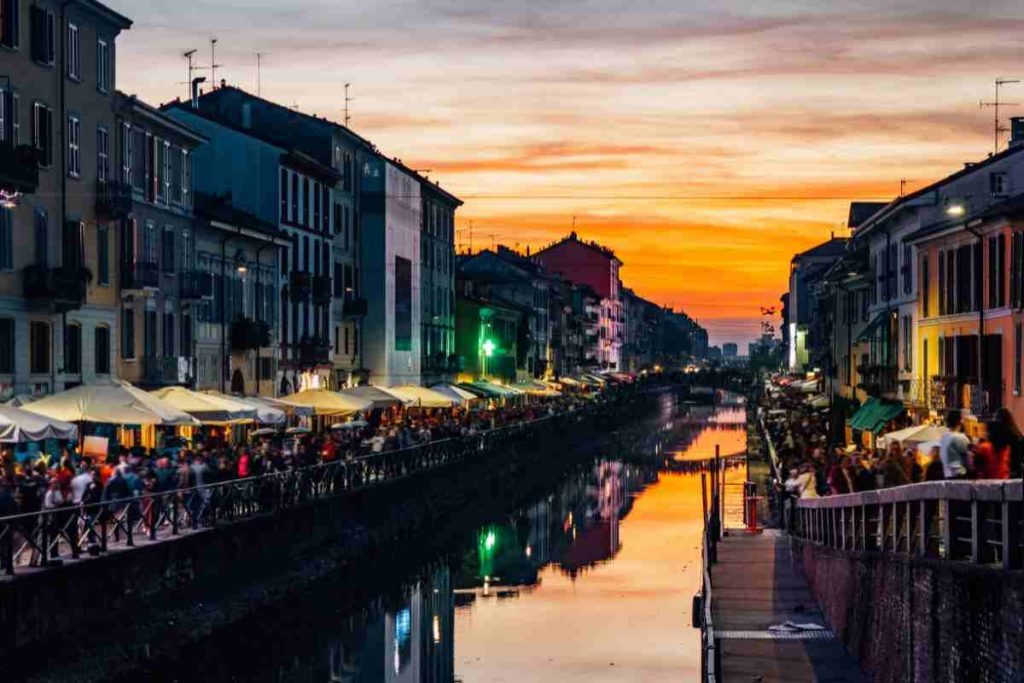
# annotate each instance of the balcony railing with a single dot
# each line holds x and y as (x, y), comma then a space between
(354, 307)
(113, 200)
(313, 351)
(62, 288)
(879, 380)
(299, 286)
(248, 334)
(140, 275)
(321, 289)
(985, 400)
(19, 169)
(195, 284)
(160, 370)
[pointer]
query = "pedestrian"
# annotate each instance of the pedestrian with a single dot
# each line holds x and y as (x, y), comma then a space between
(954, 447)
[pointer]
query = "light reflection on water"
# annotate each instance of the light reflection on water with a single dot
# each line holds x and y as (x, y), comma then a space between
(591, 582)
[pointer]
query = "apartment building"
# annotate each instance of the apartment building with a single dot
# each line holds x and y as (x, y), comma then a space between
(58, 281)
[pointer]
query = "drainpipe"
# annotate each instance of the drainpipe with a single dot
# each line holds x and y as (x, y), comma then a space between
(979, 281)
(62, 71)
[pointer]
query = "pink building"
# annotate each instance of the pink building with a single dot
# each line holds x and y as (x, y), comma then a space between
(591, 264)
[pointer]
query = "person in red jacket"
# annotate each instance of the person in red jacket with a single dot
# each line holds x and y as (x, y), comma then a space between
(992, 456)
(243, 465)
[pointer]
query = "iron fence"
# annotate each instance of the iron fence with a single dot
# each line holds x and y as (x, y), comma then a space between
(51, 537)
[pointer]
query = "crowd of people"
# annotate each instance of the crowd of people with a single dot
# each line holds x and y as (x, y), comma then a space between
(813, 464)
(74, 479)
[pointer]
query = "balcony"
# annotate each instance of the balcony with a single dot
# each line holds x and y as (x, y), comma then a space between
(299, 287)
(879, 380)
(19, 169)
(354, 307)
(113, 200)
(248, 334)
(321, 289)
(60, 289)
(140, 275)
(160, 370)
(984, 401)
(313, 351)
(195, 284)
(946, 393)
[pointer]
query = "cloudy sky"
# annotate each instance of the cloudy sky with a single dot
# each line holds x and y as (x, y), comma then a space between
(705, 141)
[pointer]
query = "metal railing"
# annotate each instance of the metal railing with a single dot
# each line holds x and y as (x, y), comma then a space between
(49, 537)
(973, 521)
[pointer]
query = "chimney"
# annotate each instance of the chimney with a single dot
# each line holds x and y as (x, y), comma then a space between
(195, 90)
(1016, 131)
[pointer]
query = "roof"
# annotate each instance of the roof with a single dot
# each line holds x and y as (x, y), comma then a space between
(220, 209)
(1012, 206)
(310, 165)
(574, 238)
(224, 90)
(894, 206)
(144, 109)
(116, 18)
(861, 211)
(835, 246)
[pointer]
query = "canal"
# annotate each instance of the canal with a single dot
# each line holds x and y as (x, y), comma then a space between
(590, 581)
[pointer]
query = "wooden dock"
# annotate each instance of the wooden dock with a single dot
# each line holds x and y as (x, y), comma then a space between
(755, 585)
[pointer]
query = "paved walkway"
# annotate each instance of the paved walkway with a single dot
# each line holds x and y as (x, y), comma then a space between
(755, 585)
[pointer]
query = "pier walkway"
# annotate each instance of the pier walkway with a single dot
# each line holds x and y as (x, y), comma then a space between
(757, 587)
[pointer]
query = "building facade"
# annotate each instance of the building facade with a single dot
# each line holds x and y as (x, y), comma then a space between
(58, 282)
(439, 362)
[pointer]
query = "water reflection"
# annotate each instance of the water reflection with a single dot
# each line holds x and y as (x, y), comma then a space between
(590, 581)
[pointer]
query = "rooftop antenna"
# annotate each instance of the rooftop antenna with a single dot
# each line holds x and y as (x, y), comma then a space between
(471, 237)
(213, 61)
(995, 104)
(347, 100)
(903, 186)
(189, 54)
(259, 55)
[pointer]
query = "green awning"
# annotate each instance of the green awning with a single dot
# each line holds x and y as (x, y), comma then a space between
(875, 414)
(868, 332)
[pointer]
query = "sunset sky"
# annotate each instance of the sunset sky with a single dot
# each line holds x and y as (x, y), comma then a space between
(705, 141)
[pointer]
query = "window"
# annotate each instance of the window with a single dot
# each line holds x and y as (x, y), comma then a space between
(128, 333)
(305, 202)
(175, 160)
(997, 183)
(403, 304)
(103, 71)
(42, 133)
(7, 346)
(926, 287)
(39, 348)
(9, 125)
(10, 24)
(103, 254)
(40, 236)
(186, 178)
(284, 195)
(907, 339)
(326, 204)
(101, 343)
(6, 239)
(73, 349)
(102, 155)
(126, 153)
(43, 34)
(168, 334)
(74, 147)
(316, 207)
(160, 169)
(168, 249)
(149, 242)
(907, 270)
(293, 215)
(74, 58)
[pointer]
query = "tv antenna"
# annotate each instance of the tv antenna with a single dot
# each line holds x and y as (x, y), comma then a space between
(259, 56)
(213, 62)
(903, 186)
(997, 129)
(347, 100)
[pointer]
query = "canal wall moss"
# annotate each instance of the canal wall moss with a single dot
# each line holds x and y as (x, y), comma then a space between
(908, 619)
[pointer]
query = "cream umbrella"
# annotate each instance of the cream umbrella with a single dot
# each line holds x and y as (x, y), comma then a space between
(282, 404)
(421, 396)
(17, 425)
(207, 408)
(378, 397)
(456, 393)
(265, 414)
(119, 403)
(324, 402)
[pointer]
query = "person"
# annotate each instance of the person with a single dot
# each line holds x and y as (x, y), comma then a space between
(838, 483)
(80, 482)
(954, 447)
(992, 456)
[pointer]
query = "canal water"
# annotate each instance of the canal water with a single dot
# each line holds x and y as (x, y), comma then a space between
(590, 582)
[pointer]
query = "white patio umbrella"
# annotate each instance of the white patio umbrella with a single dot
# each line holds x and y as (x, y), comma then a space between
(17, 425)
(421, 397)
(265, 414)
(207, 408)
(120, 404)
(912, 435)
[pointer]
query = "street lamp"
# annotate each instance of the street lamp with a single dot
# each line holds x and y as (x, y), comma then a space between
(955, 210)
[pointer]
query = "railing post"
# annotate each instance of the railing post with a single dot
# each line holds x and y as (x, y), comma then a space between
(977, 531)
(1011, 534)
(946, 527)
